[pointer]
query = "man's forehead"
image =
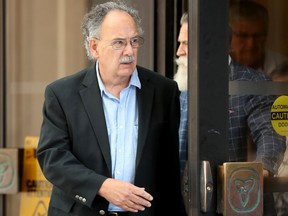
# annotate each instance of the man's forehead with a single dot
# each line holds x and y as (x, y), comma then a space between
(183, 34)
(245, 25)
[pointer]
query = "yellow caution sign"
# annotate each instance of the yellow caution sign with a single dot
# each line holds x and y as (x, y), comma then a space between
(279, 115)
(35, 189)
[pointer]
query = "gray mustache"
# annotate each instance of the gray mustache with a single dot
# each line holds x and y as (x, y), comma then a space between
(127, 59)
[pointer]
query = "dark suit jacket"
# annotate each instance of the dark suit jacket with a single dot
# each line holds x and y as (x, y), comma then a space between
(74, 152)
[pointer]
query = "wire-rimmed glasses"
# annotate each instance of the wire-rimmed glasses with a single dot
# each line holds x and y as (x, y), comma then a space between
(120, 44)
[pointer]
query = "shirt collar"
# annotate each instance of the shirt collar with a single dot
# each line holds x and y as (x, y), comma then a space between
(134, 80)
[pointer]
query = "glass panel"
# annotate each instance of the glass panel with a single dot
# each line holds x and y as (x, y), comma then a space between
(44, 42)
(258, 40)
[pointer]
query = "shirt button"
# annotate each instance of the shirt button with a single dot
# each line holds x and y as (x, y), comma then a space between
(102, 212)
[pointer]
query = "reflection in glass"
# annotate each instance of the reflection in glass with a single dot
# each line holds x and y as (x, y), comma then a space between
(258, 40)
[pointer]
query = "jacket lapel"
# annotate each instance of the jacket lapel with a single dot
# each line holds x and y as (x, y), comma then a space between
(92, 101)
(145, 96)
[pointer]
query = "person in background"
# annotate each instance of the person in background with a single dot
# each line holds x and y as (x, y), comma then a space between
(249, 23)
(181, 77)
(280, 74)
(249, 115)
(109, 137)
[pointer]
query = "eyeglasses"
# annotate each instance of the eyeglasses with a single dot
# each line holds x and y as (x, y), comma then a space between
(120, 44)
(246, 36)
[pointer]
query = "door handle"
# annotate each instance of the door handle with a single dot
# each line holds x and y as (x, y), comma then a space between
(206, 186)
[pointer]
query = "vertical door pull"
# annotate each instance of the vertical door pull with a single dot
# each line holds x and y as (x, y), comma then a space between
(206, 186)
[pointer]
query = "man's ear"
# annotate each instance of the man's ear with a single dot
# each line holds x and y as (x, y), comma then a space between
(93, 45)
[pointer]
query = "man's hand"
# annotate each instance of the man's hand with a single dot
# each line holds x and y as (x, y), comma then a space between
(125, 195)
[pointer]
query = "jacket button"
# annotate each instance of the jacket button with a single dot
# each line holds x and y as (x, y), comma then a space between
(102, 212)
(84, 200)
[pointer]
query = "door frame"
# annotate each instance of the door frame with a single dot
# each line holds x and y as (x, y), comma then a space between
(208, 93)
(3, 87)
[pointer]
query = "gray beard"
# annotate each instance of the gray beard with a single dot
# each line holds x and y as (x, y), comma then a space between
(181, 76)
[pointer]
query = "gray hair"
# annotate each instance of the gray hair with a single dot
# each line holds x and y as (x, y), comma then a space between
(92, 21)
(184, 18)
(248, 10)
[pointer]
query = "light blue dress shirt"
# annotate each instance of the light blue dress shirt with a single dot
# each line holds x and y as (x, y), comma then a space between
(122, 124)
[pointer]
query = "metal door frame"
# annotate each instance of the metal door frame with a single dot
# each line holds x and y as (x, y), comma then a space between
(2, 86)
(208, 98)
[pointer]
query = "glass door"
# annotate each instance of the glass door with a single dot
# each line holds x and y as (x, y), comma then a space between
(213, 90)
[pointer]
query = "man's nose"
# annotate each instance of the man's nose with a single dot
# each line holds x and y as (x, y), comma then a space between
(181, 51)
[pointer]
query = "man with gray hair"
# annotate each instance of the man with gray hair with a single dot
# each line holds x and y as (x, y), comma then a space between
(109, 141)
(249, 24)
